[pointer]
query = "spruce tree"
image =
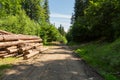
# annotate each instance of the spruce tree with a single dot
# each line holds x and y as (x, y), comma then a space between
(78, 9)
(46, 8)
(61, 30)
(33, 9)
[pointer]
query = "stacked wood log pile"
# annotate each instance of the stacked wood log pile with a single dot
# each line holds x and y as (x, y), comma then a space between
(17, 45)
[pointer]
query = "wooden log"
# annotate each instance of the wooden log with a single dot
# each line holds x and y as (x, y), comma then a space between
(17, 37)
(3, 52)
(28, 46)
(12, 50)
(11, 47)
(22, 49)
(21, 45)
(14, 43)
(31, 54)
(10, 55)
(1, 38)
(19, 55)
(27, 37)
(32, 41)
(35, 44)
(10, 37)
(5, 32)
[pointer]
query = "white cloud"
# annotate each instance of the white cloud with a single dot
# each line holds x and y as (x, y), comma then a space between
(63, 19)
(57, 15)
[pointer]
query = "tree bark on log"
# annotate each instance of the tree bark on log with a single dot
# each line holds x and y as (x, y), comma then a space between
(19, 45)
(10, 51)
(14, 43)
(22, 49)
(12, 47)
(5, 32)
(31, 54)
(1, 55)
(3, 52)
(10, 55)
(17, 37)
(36, 45)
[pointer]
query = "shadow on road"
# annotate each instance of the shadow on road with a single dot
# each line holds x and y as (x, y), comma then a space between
(56, 64)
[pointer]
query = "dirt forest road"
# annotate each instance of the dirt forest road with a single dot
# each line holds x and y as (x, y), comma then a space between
(57, 63)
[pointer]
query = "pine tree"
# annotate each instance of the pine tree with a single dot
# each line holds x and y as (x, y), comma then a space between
(72, 19)
(33, 9)
(78, 9)
(61, 30)
(12, 7)
(46, 8)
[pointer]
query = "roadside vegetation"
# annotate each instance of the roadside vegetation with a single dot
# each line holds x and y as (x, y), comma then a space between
(97, 24)
(6, 63)
(104, 57)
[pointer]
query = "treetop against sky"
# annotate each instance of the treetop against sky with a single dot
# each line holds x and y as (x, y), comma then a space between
(61, 12)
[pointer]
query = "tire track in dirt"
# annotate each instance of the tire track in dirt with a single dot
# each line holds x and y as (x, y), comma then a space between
(57, 63)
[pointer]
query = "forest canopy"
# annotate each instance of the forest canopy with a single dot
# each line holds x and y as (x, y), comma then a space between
(95, 19)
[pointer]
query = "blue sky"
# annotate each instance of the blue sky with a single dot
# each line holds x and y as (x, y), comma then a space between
(61, 12)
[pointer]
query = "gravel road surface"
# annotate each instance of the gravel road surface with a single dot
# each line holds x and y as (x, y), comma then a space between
(57, 63)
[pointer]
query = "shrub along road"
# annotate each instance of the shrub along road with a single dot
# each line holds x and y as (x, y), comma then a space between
(57, 63)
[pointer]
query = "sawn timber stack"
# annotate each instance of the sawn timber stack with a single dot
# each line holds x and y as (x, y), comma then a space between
(18, 45)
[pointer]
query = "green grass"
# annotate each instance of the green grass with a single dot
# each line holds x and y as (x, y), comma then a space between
(104, 57)
(6, 64)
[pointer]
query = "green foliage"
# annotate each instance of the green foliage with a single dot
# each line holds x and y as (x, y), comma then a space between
(61, 30)
(19, 24)
(28, 17)
(81, 51)
(46, 8)
(94, 19)
(10, 7)
(62, 39)
(33, 9)
(50, 33)
(104, 57)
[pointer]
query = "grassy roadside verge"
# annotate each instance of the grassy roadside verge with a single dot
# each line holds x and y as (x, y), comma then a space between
(6, 64)
(104, 57)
